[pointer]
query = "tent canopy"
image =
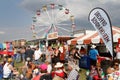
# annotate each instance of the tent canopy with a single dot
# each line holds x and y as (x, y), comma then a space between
(93, 37)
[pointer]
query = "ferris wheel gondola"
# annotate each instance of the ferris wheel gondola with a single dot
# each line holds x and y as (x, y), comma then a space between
(52, 18)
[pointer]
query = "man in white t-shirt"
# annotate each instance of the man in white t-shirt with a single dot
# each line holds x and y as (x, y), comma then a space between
(37, 55)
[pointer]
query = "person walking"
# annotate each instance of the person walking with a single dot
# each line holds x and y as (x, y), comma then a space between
(22, 51)
(93, 54)
(29, 53)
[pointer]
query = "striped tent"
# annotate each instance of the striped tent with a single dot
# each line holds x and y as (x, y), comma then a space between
(93, 37)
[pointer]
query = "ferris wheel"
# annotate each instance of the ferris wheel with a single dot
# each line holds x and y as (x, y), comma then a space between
(52, 18)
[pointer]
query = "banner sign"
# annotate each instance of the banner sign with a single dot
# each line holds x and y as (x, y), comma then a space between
(53, 35)
(101, 22)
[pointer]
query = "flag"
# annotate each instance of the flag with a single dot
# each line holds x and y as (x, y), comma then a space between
(101, 22)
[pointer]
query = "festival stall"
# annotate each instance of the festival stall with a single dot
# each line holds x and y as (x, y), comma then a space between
(93, 37)
(6, 48)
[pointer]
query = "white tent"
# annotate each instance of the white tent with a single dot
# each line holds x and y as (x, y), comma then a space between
(93, 37)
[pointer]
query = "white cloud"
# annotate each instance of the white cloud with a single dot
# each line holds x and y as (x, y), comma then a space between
(106, 1)
(1, 32)
(33, 5)
(79, 8)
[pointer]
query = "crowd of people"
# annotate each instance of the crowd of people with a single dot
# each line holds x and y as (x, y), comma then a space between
(56, 63)
(53, 64)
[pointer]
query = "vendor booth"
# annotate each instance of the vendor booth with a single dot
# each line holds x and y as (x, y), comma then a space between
(6, 48)
(93, 37)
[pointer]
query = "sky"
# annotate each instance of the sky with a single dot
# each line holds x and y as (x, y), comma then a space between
(16, 15)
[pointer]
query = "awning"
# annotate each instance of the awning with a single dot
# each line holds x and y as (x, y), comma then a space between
(93, 37)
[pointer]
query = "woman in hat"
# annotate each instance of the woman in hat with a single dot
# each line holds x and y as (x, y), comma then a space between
(58, 71)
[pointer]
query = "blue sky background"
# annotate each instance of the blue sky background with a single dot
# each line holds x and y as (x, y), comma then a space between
(15, 20)
(16, 15)
(12, 14)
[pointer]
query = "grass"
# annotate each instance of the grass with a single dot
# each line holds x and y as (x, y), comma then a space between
(19, 66)
(82, 74)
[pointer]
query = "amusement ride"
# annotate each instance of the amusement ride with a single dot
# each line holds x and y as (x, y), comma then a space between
(52, 18)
